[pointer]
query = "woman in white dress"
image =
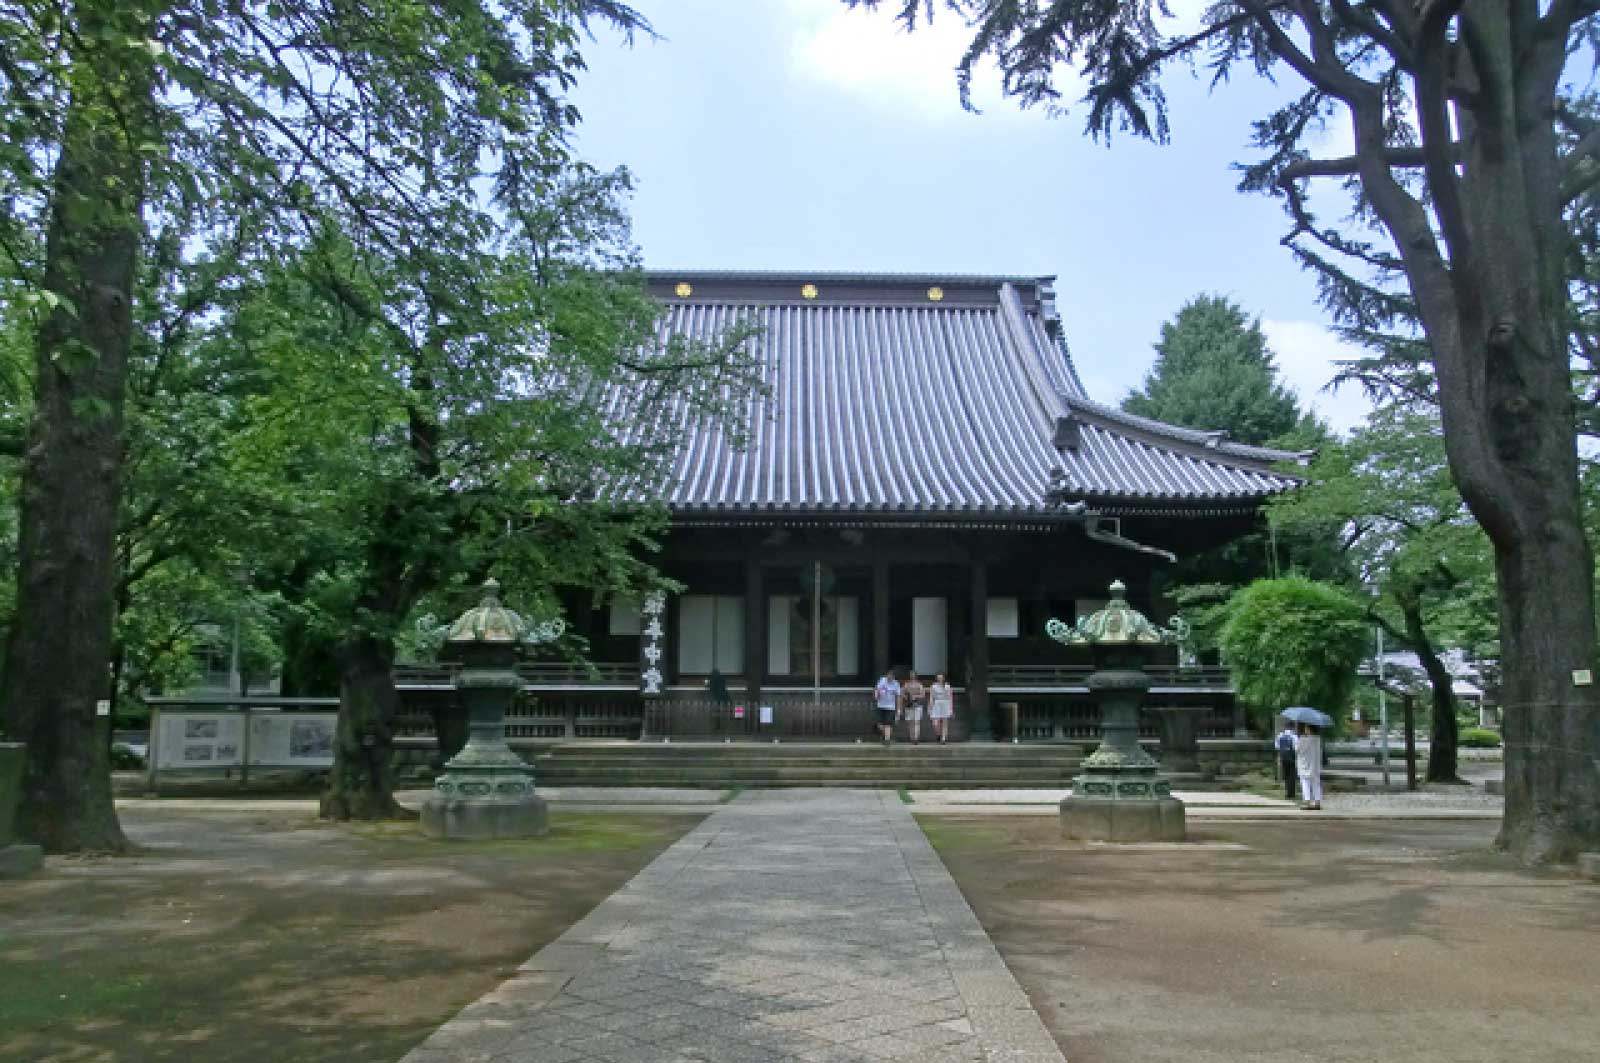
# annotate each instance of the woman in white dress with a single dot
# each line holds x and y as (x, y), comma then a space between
(1308, 761)
(941, 706)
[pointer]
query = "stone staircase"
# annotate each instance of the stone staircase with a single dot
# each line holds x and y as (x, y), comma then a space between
(968, 765)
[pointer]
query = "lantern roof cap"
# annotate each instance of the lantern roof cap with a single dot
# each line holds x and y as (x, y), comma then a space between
(1117, 624)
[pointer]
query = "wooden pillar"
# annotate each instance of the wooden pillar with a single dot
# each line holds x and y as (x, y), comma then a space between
(978, 676)
(880, 611)
(755, 633)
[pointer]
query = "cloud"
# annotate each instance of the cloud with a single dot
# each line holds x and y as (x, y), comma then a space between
(868, 55)
(1306, 352)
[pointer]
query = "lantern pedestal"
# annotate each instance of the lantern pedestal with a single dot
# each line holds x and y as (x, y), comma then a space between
(1120, 797)
(486, 790)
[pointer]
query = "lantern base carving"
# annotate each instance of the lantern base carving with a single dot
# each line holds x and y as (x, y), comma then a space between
(483, 805)
(1134, 806)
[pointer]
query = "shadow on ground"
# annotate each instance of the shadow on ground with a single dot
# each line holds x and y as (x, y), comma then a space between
(268, 936)
(1326, 941)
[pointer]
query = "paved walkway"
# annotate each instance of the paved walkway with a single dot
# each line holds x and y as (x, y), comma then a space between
(814, 925)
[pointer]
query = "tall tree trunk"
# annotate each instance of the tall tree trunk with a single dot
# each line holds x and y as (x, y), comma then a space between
(1552, 750)
(361, 784)
(1442, 733)
(1493, 301)
(58, 656)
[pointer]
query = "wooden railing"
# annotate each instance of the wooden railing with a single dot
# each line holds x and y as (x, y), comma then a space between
(794, 716)
(1049, 718)
(535, 674)
(553, 718)
(1198, 677)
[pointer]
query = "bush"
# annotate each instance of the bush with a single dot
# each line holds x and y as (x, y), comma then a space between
(1294, 641)
(1478, 738)
(125, 759)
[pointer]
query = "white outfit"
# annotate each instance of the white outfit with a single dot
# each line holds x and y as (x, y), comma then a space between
(1308, 765)
(941, 704)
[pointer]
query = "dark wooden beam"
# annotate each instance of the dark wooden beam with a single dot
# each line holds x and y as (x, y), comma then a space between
(978, 679)
(880, 610)
(755, 631)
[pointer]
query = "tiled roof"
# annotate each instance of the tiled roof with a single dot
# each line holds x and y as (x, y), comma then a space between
(928, 395)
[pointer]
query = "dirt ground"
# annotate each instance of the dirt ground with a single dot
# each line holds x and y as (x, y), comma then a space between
(268, 937)
(1324, 941)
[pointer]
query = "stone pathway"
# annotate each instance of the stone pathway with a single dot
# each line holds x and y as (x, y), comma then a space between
(814, 925)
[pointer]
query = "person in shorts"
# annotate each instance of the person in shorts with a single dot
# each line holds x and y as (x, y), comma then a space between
(915, 698)
(886, 699)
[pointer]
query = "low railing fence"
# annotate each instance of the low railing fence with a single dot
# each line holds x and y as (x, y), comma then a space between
(780, 715)
(626, 673)
(1043, 720)
(536, 717)
(1199, 677)
(533, 673)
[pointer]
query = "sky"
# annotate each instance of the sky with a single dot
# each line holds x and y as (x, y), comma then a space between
(799, 134)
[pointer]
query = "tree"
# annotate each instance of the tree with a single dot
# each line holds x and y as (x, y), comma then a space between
(1213, 371)
(462, 432)
(1461, 168)
(1418, 557)
(1294, 641)
(119, 117)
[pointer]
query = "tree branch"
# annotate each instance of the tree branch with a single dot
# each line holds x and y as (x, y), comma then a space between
(1350, 165)
(1327, 75)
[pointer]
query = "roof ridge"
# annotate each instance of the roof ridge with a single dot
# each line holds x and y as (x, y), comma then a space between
(898, 277)
(1213, 440)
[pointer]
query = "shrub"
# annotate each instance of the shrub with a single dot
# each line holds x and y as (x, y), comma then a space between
(125, 759)
(1294, 641)
(1478, 738)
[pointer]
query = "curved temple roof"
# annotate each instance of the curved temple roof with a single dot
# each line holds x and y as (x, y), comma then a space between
(921, 395)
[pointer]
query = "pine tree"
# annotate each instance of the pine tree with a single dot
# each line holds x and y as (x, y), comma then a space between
(1214, 371)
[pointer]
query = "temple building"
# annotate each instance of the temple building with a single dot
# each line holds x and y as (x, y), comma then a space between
(926, 483)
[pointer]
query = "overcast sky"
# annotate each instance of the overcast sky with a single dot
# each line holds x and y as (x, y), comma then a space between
(796, 134)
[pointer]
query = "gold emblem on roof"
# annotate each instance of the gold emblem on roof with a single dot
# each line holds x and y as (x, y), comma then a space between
(935, 293)
(684, 289)
(808, 291)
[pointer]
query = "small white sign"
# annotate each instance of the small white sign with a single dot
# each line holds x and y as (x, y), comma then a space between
(1582, 677)
(102, 707)
(766, 714)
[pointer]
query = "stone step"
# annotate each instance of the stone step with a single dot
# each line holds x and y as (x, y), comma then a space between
(768, 747)
(885, 757)
(800, 776)
(880, 783)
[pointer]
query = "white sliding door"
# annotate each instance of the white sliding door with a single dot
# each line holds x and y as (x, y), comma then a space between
(929, 635)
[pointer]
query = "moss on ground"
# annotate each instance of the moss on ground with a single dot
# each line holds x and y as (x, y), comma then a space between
(271, 937)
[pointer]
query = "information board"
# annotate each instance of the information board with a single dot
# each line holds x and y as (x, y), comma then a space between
(292, 739)
(200, 740)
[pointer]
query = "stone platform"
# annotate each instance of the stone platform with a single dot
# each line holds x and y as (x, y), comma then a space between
(803, 925)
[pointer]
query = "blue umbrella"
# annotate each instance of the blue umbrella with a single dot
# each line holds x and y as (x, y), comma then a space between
(1306, 714)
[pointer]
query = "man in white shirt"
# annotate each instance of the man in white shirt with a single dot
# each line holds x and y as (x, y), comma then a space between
(886, 697)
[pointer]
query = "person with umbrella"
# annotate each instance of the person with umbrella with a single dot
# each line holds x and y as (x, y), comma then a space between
(1284, 744)
(1308, 752)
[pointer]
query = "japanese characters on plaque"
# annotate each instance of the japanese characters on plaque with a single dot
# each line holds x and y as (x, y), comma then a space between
(652, 634)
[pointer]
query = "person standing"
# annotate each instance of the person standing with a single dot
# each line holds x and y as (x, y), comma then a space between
(1284, 744)
(1308, 758)
(941, 706)
(915, 696)
(886, 698)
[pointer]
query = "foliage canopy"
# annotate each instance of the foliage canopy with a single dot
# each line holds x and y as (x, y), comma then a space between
(1294, 641)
